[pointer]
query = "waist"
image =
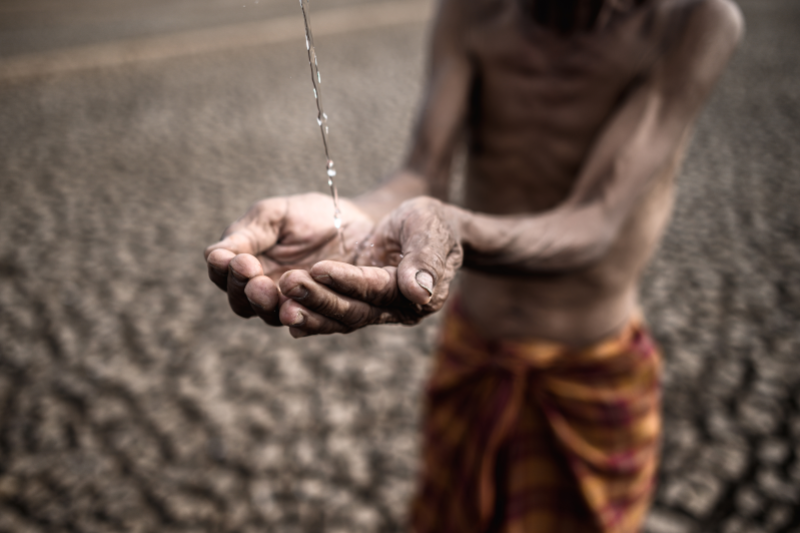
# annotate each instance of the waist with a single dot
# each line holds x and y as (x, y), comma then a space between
(566, 308)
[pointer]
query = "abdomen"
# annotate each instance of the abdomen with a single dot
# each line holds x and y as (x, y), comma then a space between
(577, 305)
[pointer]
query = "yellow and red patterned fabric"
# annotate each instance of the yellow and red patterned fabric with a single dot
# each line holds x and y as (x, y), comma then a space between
(536, 437)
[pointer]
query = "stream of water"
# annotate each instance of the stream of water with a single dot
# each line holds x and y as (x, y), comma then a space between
(322, 120)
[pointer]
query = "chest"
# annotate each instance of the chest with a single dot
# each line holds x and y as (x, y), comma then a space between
(528, 73)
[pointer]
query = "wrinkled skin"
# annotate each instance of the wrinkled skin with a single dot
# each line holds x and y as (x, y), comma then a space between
(274, 236)
(397, 271)
(575, 134)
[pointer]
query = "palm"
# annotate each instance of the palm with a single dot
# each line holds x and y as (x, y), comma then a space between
(298, 231)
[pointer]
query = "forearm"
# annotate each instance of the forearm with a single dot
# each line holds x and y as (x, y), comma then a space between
(426, 170)
(557, 240)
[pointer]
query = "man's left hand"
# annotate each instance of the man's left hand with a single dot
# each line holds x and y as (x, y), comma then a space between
(402, 274)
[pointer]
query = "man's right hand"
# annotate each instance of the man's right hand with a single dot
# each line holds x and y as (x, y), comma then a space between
(277, 235)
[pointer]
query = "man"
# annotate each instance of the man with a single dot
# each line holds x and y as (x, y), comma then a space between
(542, 413)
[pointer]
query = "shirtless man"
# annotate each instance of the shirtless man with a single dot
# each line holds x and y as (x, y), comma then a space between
(576, 114)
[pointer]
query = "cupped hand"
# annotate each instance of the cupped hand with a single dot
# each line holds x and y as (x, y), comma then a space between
(277, 235)
(401, 274)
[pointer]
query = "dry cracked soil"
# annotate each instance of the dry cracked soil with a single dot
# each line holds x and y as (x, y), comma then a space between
(132, 399)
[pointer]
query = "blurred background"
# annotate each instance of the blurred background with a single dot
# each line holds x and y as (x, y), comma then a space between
(131, 399)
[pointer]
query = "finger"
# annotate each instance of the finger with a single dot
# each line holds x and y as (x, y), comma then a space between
(377, 286)
(218, 261)
(303, 322)
(272, 268)
(264, 298)
(299, 286)
(241, 269)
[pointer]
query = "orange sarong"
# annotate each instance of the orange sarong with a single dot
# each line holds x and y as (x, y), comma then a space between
(535, 437)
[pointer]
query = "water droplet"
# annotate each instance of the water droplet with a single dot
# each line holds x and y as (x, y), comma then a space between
(322, 118)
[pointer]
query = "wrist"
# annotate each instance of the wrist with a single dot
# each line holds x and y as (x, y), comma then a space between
(458, 220)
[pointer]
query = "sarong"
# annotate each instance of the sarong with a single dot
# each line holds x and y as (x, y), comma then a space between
(536, 437)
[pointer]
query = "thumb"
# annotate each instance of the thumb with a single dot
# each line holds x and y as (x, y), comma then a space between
(419, 273)
(256, 231)
(430, 250)
(238, 242)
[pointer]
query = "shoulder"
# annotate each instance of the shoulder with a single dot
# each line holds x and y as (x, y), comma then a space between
(696, 40)
(720, 20)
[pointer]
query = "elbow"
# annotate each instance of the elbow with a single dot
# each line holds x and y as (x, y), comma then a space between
(603, 237)
(599, 247)
(724, 20)
(731, 16)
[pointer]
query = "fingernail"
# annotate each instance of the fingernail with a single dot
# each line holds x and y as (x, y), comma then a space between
(299, 319)
(298, 293)
(323, 278)
(425, 280)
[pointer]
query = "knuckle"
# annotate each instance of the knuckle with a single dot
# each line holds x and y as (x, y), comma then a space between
(382, 289)
(377, 315)
(323, 326)
(357, 316)
(326, 303)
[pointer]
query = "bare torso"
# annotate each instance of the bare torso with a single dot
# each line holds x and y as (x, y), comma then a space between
(539, 100)
(574, 140)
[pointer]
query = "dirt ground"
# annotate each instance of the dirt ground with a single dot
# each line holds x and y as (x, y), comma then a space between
(132, 399)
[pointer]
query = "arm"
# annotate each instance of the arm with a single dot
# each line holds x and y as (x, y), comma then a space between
(426, 171)
(637, 145)
(278, 235)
